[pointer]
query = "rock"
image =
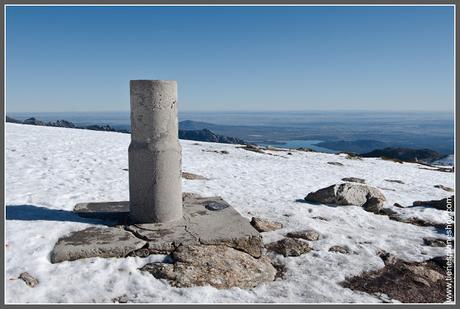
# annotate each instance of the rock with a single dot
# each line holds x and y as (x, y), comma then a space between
(28, 279)
(121, 299)
(417, 282)
(339, 249)
(191, 176)
(387, 212)
(289, 153)
(444, 188)
(386, 257)
(305, 149)
(434, 242)
(224, 152)
(335, 163)
(320, 218)
(264, 225)
(373, 204)
(443, 204)
(189, 196)
(95, 242)
(354, 179)
(398, 205)
(219, 266)
(353, 156)
(371, 199)
(395, 181)
(289, 247)
(311, 235)
(253, 148)
(215, 206)
(33, 121)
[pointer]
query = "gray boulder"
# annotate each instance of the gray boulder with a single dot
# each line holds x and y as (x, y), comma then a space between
(371, 199)
(219, 266)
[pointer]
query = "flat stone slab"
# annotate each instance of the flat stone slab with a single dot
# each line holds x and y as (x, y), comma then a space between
(95, 242)
(207, 221)
(118, 211)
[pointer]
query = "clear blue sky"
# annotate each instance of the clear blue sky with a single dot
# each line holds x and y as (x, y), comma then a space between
(232, 58)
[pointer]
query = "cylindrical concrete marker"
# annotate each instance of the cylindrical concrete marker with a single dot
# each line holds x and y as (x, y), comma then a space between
(155, 193)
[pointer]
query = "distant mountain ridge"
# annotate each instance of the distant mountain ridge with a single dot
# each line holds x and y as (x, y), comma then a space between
(203, 135)
(427, 156)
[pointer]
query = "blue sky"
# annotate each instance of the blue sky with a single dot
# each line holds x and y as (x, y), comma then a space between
(232, 58)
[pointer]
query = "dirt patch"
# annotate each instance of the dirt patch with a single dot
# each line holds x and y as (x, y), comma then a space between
(408, 282)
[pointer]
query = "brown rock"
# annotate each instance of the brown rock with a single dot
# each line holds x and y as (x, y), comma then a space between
(339, 249)
(311, 235)
(219, 266)
(28, 279)
(289, 247)
(191, 176)
(264, 225)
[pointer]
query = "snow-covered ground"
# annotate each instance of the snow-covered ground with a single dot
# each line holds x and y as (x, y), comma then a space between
(49, 170)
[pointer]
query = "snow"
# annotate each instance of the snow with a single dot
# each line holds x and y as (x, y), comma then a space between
(49, 170)
(446, 161)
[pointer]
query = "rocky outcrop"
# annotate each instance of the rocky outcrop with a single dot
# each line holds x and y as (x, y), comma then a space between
(206, 135)
(265, 225)
(219, 266)
(289, 247)
(371, 199)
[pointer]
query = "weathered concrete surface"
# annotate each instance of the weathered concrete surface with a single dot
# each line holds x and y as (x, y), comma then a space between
(95, 242)
(154, 153)
(118, 211)
(202, 225)
(219, 266)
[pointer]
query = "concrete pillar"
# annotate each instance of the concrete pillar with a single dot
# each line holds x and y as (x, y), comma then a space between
(155, 193)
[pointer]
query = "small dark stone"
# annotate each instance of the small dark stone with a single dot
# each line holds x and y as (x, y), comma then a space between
(444, 188)
(395, 181)
(28, 279)
(354, 179)
(434, 242)
(339, 249)
(335, 163)
(216, 206)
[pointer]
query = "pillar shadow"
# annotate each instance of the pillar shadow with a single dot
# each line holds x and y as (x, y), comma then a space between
(37, 213)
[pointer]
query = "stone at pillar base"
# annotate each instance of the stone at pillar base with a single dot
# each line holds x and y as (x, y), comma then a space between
(206, 221)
